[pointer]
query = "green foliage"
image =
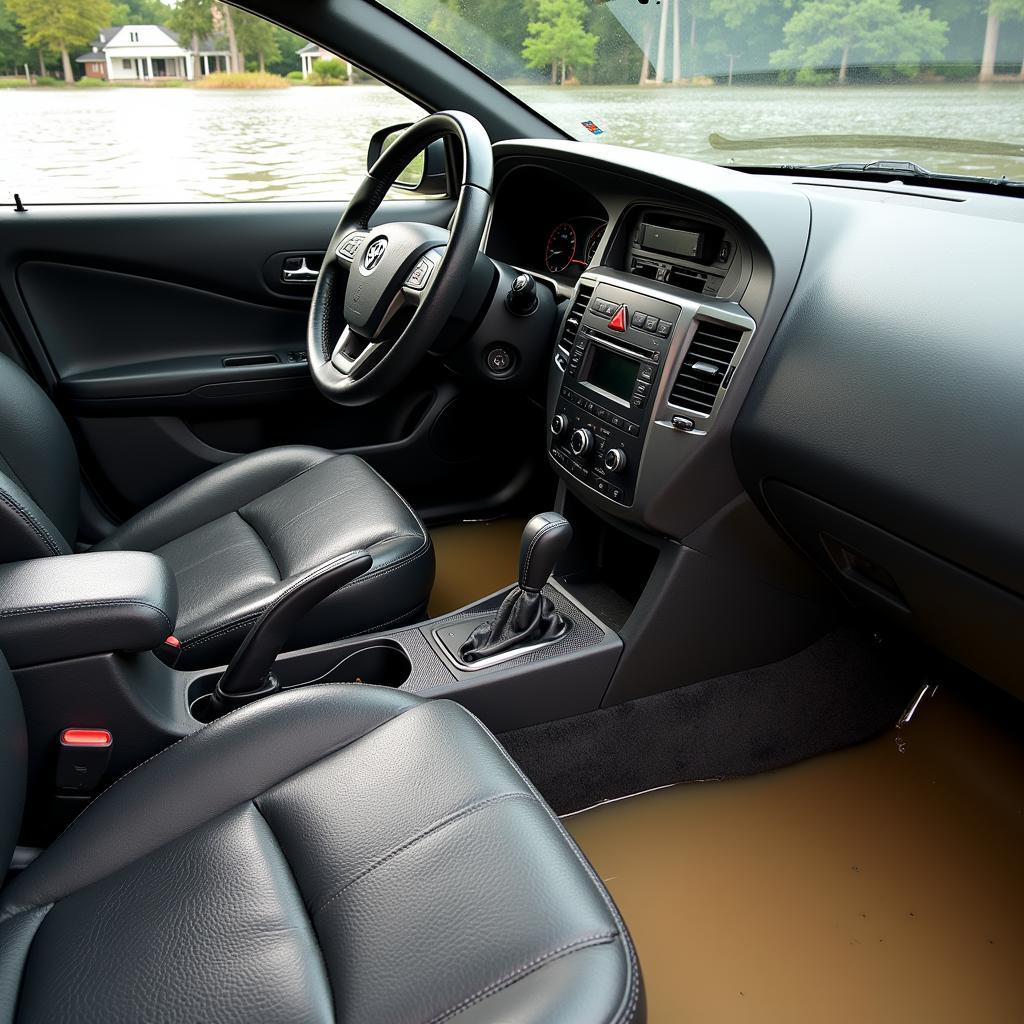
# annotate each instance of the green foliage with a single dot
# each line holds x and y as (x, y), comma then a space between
(256, 37)
(558, 38)
(13, 51)
(328, 70)
(190, 17)
(60, 24)
(294, 76)
(47, 80)
(831, 33)
(1007, 10)
(138, 12)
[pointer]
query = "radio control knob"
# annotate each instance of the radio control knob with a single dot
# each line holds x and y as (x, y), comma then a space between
(558, 424)
(581, 442)
(615, 460)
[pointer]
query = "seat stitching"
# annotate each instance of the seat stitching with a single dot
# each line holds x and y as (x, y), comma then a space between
(436, 826)
(416, 519)
(302, 898)
(69, 605)
(23, 512)
(266, 546)
(628, 1012)
(586, 942)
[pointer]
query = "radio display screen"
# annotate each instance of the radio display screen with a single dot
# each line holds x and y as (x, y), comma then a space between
(612, 373)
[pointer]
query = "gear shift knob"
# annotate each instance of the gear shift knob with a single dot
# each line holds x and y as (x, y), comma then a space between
(545, 538)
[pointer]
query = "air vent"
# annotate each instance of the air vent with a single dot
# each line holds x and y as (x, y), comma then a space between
(575, 317)
(706, 366)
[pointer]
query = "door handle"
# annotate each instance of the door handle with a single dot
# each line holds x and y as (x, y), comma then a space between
(295, 268)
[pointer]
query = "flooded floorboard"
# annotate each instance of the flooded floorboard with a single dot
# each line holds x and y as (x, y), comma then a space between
(881, 883)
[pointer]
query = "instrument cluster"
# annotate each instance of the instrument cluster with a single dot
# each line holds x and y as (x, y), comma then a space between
(570, 245)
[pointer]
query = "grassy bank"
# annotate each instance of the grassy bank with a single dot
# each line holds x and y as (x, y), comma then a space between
(242, 80)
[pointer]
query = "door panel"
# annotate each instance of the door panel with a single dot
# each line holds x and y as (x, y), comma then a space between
(172, 341)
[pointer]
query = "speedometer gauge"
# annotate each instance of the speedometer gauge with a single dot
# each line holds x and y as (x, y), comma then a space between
(593, 241)
(561, 248)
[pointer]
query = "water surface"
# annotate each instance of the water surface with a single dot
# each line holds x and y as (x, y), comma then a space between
(173, 145)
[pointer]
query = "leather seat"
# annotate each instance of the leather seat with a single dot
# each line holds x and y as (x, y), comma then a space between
(233, 537)
(339, 852)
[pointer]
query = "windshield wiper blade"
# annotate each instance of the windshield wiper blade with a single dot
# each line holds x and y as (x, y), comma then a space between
(902, 169)
(976, 147)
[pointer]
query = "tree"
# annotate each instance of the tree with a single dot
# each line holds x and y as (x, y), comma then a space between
(60, 24)
(256, 35)
(14, 54)
(558, 38)
(998, 12)
(192, 19)
(223, 16)
(822, 31)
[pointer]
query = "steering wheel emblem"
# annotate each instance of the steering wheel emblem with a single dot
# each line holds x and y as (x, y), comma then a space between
(374, 254)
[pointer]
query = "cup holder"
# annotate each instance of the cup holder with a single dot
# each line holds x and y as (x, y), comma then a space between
(380, 662)
(383, 663)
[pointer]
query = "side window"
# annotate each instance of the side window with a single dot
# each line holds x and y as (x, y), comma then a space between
(193, 101)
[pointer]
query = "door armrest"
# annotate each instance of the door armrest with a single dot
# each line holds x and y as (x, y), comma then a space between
(69, 606)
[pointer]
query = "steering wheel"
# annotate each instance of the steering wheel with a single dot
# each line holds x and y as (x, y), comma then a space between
(385, 293)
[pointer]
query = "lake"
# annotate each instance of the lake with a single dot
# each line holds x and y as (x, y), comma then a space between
(181, 144)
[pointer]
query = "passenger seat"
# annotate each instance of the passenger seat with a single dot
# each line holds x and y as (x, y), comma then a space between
(336, 853)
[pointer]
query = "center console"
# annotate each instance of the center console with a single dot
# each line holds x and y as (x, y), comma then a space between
(617, 342)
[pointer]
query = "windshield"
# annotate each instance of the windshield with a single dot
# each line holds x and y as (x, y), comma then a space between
(761, 82)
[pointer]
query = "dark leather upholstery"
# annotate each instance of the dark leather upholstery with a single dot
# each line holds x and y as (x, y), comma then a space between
(67, 607)
(38, 471)
(339, 852)
(234, 537)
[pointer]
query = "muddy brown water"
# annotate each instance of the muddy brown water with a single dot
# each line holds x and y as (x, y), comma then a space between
(881, 883)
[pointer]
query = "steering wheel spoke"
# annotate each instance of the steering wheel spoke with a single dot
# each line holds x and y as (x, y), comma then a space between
(352, 352)
(386, 291)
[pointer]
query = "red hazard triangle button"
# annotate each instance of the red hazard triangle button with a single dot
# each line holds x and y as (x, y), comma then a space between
(618, 322)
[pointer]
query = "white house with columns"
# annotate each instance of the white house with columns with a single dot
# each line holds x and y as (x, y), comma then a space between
(127, 53)
(313, 51)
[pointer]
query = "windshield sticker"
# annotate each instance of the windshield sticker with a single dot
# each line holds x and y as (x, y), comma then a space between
(592, 128)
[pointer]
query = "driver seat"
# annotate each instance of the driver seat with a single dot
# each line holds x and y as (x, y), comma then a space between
(234, 536)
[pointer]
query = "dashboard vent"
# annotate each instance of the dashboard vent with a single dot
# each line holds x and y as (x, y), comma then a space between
(706, 366)
(575, 317)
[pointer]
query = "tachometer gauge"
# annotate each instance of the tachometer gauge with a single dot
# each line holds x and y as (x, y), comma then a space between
(593, 241)
(561, 248)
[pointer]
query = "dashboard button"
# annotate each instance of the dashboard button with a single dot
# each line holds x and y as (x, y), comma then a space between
(638, 319)
(646, 373)
(651, 323)
(664, 328)
(640, 390)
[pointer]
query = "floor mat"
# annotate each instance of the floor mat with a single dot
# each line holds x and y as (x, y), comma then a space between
(880, 883)
(473, 560)
(842, 689)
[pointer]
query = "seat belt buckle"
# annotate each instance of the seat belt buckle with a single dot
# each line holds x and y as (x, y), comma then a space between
(82, 759)
(169, 651)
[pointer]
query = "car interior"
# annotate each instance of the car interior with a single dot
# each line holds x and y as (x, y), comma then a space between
(591, 593)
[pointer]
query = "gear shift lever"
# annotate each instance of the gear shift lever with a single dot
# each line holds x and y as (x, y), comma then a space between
(526, 616)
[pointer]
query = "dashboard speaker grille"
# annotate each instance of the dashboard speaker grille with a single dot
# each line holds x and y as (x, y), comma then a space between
(705, 367)
(575, 317)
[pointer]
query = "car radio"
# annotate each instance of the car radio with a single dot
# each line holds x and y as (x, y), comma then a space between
(617, 345)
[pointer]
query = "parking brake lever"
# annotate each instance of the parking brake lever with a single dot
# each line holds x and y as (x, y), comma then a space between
(249, 674)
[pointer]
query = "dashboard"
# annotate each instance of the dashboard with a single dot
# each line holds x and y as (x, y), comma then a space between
(846, 354)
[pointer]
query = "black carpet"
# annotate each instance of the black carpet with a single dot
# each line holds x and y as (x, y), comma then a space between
(841, 690)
